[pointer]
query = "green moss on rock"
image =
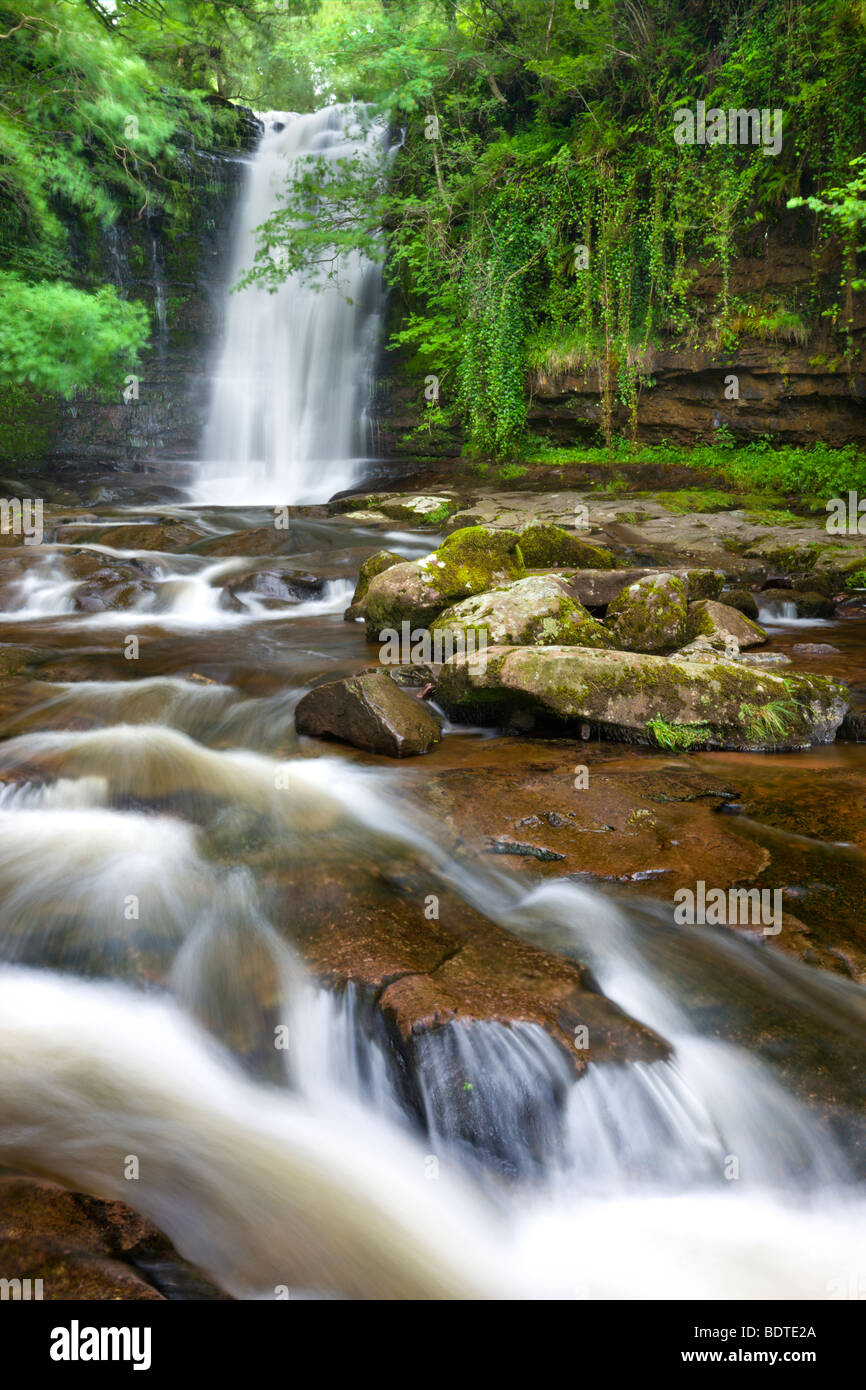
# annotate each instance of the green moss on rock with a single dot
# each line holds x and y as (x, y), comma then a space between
(537, 610)
(629, 696)
(373, 565)
(743, 600)
(473, 559)
(545, 546)
(650, 615)
(470, 561)
(704, 583)
(723, 624)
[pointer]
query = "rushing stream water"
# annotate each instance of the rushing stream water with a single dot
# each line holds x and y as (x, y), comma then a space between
(164, 834)
(158, 827)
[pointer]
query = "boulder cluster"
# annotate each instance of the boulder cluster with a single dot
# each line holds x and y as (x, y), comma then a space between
(546, 628)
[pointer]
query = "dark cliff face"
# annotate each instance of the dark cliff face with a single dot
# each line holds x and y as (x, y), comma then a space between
(799, 380)
(180, 271)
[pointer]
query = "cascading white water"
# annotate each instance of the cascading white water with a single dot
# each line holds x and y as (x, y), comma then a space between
(776, 611)
(154, 836)
(325, 1196)
(288, 420)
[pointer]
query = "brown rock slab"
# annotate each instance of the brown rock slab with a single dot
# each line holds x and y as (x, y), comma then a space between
(74, 1243)
(424, 974)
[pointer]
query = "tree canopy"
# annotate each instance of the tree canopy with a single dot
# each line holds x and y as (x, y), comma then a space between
(539, 212)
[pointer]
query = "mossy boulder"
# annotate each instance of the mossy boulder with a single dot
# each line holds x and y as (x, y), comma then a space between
(815, 584)
(373, 565)
(471, 561)
(703, 583)
(723, 625)
(743, 600)
(651, 615)
(402, 593)
(636, 697)
(429, 510)
(538, 610)
(596, 588)
(814, 605)
(545, 546)
(476, 557)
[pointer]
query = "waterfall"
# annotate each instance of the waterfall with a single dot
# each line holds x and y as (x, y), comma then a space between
(776, 611)
(289, 412)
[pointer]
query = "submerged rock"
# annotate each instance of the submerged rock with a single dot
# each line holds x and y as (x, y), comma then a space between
(278, 586)
(254, 540)
(170, 536)
(14, 659)
(650, 615)
(371, 712)
(647, 699)
(525, 851)
(539, 610)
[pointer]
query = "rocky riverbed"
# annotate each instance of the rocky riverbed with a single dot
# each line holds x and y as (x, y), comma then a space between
(635, 715)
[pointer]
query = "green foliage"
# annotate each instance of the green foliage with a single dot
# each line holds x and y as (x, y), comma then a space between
(688, 500)
(757, 469)
(98, 108)
(767, 723)
(672, 736)
(58, 339)
(539, 215)
(439, 515)
(26, 426)
(845, 208)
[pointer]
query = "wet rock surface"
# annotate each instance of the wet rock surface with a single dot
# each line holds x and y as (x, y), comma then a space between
(81, 1247)
(372, 712)
(640, 824)
(425, 972)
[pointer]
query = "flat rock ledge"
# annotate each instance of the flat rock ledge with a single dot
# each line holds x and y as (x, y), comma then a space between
(661, 701)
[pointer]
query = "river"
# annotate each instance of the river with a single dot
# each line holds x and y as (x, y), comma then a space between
(196, 908)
